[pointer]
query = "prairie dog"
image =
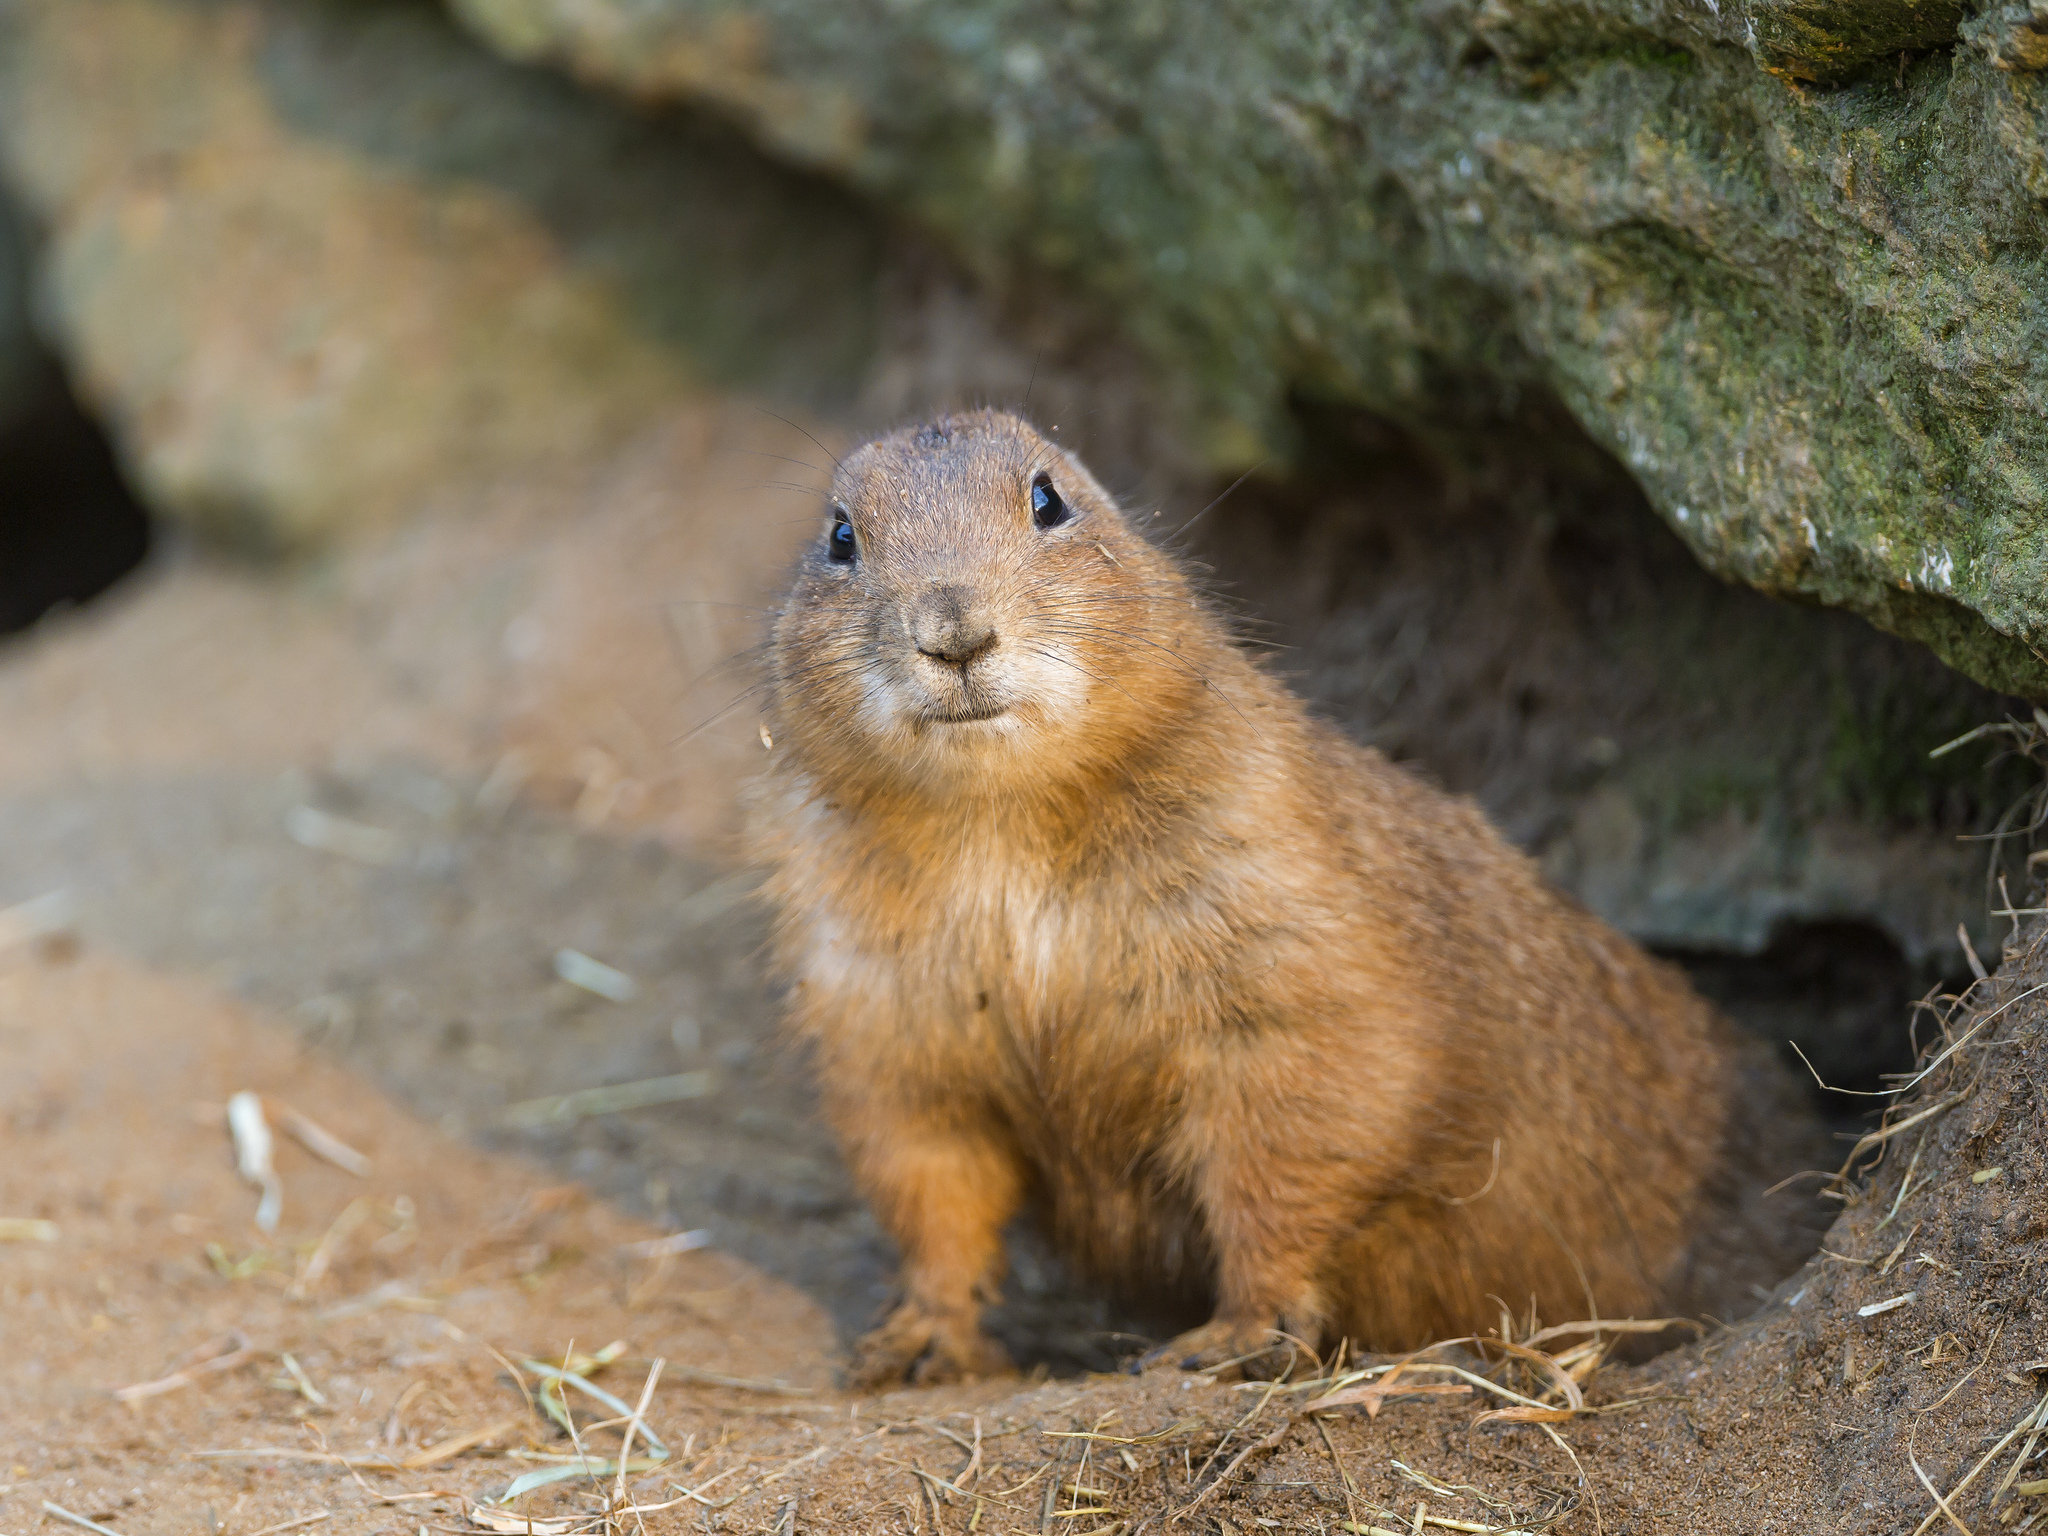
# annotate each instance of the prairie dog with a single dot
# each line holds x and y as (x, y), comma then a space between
(1083, 913)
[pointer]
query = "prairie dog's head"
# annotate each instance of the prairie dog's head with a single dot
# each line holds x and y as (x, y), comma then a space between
(976, 613)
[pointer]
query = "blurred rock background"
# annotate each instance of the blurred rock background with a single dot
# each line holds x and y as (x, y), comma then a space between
(1643, 404)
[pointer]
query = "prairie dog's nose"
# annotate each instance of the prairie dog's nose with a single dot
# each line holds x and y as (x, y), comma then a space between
(949, 625)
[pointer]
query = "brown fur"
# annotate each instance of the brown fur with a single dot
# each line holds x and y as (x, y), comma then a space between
(1229, 1001)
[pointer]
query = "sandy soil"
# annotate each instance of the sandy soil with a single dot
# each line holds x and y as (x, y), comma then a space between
(323, 836)
(116, 1084)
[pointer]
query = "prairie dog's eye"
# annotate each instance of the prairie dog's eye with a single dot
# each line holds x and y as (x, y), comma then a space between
(1047, 510)
(839, 544)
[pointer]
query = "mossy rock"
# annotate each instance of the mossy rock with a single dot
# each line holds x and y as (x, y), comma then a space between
(1787, 261)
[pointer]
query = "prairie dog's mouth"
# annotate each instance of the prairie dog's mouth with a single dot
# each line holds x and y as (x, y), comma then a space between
(965, 716)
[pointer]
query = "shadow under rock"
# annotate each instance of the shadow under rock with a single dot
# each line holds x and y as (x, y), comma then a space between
(69, 526)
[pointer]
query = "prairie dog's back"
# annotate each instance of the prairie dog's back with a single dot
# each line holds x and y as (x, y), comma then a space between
(1083, 912)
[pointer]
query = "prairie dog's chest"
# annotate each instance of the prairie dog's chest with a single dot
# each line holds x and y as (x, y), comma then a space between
(982, 968)
(986, 930)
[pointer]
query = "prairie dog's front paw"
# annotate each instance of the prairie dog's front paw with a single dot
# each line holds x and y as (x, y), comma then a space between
(1228, 1349)
(925, 1348)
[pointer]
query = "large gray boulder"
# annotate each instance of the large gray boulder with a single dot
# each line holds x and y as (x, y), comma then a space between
(1785, 259)
(315, 264)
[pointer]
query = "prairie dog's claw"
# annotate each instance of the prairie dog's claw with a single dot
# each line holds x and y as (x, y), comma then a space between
(1228, 1349)
(926, 1349)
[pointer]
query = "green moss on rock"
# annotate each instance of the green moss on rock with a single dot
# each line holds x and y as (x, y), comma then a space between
(1829, 40)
